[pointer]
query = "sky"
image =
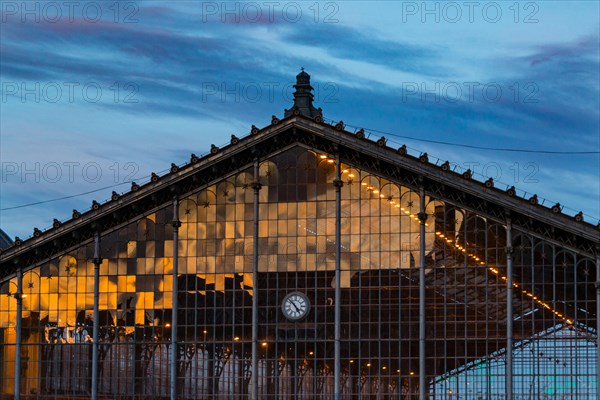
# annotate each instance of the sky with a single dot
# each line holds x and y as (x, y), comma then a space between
(95, 94)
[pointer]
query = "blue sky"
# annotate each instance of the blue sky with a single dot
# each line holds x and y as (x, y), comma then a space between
(95, 94)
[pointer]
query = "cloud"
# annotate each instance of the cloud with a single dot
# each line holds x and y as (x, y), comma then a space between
(196, 80)
(180, 73)
(347, 43)
(583, 47)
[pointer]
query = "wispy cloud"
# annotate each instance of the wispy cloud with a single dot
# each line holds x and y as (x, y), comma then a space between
(195, 77)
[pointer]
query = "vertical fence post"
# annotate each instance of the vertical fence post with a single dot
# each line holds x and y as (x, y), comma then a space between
(256, 185)
(96, 327)
(422, 293)
(19, 322)
(338, 183)
(509, 310)
(175, 303)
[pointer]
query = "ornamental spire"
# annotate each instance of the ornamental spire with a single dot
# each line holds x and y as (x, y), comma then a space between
(303, 97)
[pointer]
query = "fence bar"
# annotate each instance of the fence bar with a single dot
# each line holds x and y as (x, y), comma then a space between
(338, 291)
(175, 303)
(422, 350)
(18, 328)
(96, 327)
(509, 311)
(254, 362)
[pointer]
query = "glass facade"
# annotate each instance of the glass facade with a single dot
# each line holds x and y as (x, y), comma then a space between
(554, 332)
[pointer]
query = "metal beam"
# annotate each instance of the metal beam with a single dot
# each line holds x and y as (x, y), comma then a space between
(18, 328)
(422, 293)
(175, 303)
(338, 291)
(509, 311)
(96, 322)
(256, 185)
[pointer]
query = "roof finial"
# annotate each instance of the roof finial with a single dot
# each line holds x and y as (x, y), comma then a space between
(303, 97)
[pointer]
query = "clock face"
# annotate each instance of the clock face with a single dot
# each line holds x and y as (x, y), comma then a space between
(295, 306)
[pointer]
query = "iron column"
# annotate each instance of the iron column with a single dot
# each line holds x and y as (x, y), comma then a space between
(338, 183)
(509, 311)
(254, 363)
(19, 316)
(174, 304)
(422, 328)
(96, 327)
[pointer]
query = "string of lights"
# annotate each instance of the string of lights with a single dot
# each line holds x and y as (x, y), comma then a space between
(450, 242)
(376, 191)
(495, 271)
(474, 257)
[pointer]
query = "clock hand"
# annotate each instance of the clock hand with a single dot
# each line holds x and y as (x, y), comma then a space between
(294, 305)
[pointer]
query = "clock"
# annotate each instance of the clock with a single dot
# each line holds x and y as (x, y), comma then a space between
(295, 306)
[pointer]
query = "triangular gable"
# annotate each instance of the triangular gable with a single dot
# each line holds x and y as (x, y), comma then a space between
(353, 148)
